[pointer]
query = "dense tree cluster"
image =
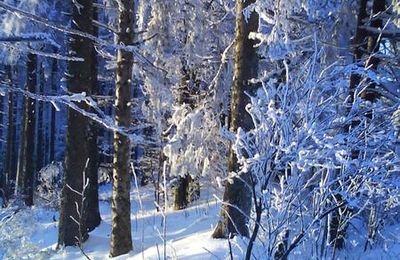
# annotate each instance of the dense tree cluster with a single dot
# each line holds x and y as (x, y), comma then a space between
(290, 109)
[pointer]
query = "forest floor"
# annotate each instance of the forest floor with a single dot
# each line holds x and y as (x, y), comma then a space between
(32, 233)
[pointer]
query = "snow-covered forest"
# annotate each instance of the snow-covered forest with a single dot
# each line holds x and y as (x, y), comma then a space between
(199, 129)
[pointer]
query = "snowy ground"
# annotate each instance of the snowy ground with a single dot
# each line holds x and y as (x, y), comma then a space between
(32, 234)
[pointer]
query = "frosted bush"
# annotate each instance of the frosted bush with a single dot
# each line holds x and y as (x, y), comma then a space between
(310, 158)
(17, 227)
(49, 185)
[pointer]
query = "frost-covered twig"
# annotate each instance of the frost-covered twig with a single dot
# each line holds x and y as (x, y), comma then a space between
(64, 29)
(72, 100)
(165, 209)
(141, 207)
(80, 212)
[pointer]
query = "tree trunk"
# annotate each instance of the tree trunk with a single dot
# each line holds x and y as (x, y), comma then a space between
(9, 146)
(193, 190)
(3, 158)
(359, 46)
(373, 46)
(19, 149)
(53, 112)
(121, 240)
(93, 218)
(2, 127)
(180, 195)
(186, 190)
(72, 229)
(237, 193)
(181, 187)
(14, 146)
(185, 186)
(336, 230)
(39, 147)
(363, 45)
(28, 163)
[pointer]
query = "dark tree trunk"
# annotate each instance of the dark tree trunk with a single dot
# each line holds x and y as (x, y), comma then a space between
(15, 127)
(72, 229)
(187, 190)
(121, 240)
(181, 186)
(39, 147)
(19, 150)
(53, 112)
(373, 46)
(233, 221)
(360, 45)
(3, 158)
(159, 192)
(363, 45)
(184, 184)
(336, 229)
(193, 191)
(2, 127)
(180, 195)
(9, 145)
(28, 148)
(93, 218)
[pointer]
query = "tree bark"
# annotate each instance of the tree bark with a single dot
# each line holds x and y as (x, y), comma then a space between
(19, 149)
(15, 129)
(180, 191)
(93, 218)
(3, 158)
(9, 145)
(53, 112)
(336, 230)
(359, 46)
(121, 240)
(373, 46)
(72, 229)
(364, 44)
(234, 219)
(28, 163)
(40, 155)
(3, 161)
(185, 186)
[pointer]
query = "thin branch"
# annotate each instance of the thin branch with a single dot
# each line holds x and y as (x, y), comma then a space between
(64, 29)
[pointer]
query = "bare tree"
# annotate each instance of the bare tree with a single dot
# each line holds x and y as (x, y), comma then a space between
(79, 79)
(92, 218)
(121, 240)
(237, 197)
(366, 45)
(26, 176)
(40, 153)
(54, 68)
(182, 194)
(9, 145)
